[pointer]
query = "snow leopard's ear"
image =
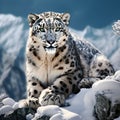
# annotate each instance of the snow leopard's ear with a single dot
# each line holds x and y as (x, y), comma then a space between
(66, 18)
(32, 18)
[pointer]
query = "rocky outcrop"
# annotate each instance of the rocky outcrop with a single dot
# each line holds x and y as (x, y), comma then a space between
(104, 110)
(20, 114)
(107, 96)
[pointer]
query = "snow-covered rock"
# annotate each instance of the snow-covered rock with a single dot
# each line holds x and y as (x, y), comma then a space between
(6, 109)
(8, 105)
(55, 113)
(8, 101)
(104, 98)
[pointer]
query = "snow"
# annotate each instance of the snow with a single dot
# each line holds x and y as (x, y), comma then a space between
(49, 110)
(9, 106)
(55, 113)
(117, 118)
(6, 109)
(8, 101)
(81, 105)
(108, 88)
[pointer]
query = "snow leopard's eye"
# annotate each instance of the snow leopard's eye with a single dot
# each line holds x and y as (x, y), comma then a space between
(42, 29)
(57, 29)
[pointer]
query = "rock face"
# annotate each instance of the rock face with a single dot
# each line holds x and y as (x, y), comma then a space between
(104, 110)
(107, 106)
(20, 114)
(102, 107)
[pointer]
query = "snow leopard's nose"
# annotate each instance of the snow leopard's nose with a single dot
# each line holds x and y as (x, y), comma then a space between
(50, 38)
(51, 41)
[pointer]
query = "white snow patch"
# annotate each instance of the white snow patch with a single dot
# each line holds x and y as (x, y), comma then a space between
(8, 101)
(117, 118)
(55, 113)
(6, 109)
(29, 116)
(9, 105)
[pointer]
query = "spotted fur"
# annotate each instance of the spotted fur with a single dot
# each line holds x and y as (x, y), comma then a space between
(57, 64)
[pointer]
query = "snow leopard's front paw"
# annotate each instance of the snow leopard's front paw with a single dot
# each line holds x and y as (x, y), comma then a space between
(23, 103)
(29, 102)
(33, 102)
(87, 82)
(49, 97)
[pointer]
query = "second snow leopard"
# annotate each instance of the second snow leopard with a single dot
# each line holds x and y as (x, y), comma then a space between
(57, 64)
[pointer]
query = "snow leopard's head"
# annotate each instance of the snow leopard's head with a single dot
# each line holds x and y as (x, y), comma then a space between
(50, 28)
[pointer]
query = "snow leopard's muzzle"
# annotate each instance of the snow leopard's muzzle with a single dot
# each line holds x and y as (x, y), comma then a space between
(53, 41)
(50, 44)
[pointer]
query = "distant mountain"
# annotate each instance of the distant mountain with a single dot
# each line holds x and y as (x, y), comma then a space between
(13, 37)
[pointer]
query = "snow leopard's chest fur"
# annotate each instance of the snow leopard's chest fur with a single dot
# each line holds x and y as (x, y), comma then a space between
(47, 67)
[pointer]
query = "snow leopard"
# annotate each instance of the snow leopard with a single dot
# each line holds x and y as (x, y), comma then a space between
(57, 63)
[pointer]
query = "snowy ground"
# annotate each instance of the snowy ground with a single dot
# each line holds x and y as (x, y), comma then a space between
(81, 105)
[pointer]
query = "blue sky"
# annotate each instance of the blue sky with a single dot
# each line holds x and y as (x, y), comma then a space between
(95, 13)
